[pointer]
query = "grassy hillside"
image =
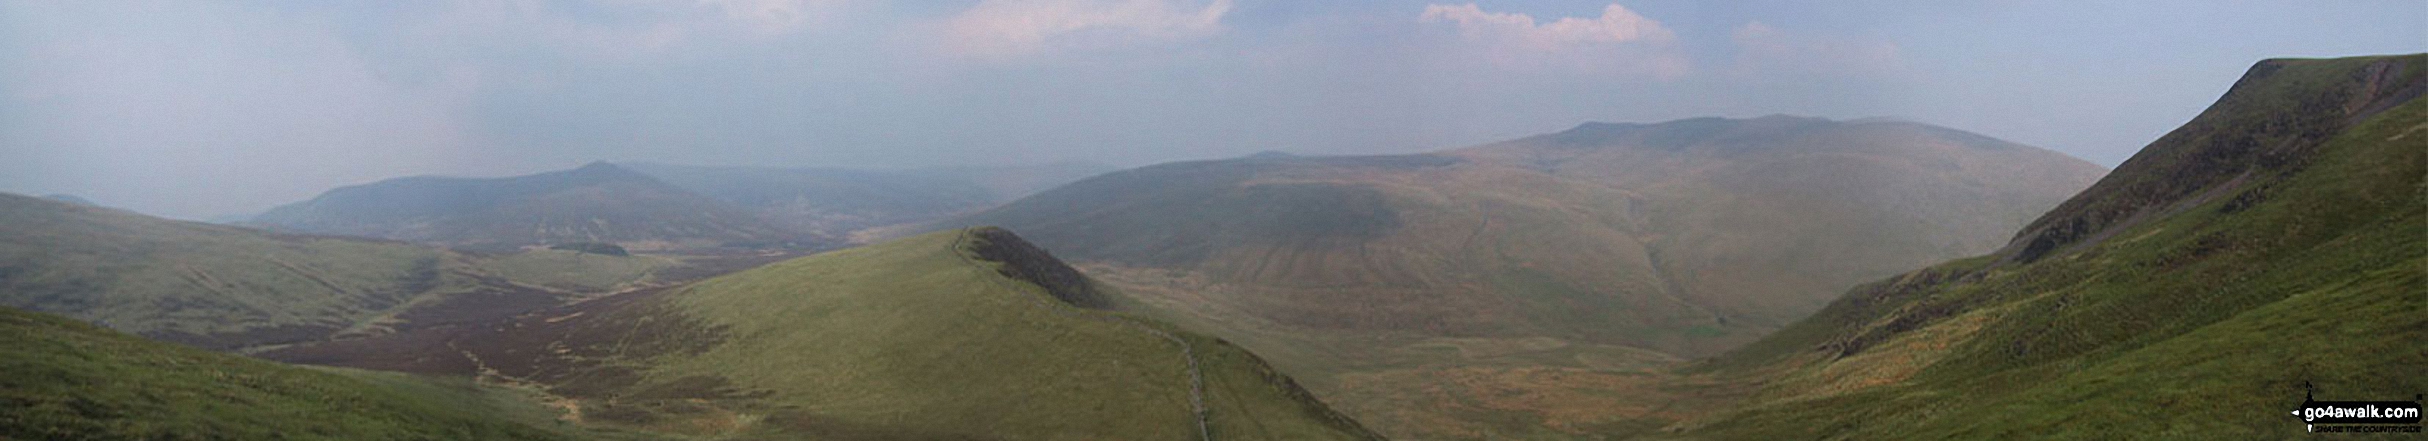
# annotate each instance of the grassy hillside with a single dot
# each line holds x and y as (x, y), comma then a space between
(950, 335)
(1686, 237)
(227, 287)
(2273, 241)
(917, 334)
(62, 380)
(599, 202)
(206, 284)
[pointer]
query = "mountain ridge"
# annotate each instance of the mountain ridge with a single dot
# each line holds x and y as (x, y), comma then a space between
(2269, 245)
(1594, 240)
(839, 202)
(598, 202)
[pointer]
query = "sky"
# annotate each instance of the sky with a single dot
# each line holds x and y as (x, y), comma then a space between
(197, 110)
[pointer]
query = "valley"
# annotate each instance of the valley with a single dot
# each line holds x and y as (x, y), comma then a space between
(1603, 250)
(1211, 220)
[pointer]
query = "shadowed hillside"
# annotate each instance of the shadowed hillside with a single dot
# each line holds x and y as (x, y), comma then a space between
(599, 202)
(927, 337)
(1686, 237)
(2274, 241)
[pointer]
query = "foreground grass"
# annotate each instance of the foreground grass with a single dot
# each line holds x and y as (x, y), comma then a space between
(60, 379)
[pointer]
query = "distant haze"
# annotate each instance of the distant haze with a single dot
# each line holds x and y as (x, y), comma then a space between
(201, 109)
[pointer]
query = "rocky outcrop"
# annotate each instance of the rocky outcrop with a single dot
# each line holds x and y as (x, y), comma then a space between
(1026, 262)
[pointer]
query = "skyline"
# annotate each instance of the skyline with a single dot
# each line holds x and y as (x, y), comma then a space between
(197, 110)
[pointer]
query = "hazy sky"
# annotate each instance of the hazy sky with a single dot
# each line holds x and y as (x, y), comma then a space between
(195, 109)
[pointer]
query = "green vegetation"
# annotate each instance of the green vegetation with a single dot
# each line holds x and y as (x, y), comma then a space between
(2272, 242)
(1686, 237)
(917, 338)
(62, 380)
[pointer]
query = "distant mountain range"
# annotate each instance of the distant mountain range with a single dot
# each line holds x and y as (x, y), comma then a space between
(1689, 237)
(661, 207)
(599, 202)
(835, 202)
(2266, 251)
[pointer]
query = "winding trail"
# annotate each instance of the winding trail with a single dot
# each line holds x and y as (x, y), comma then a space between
(1197, 379)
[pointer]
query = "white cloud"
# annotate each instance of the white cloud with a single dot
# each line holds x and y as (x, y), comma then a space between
(1616, 25)
(771, 17)
(1619, 41)
(1001, 28)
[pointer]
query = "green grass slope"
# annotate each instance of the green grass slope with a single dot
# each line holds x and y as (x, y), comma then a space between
(228, 287)
(951, 335)
(64, 380)
(2274, 241)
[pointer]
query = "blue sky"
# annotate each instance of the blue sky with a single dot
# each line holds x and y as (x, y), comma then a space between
(194, 109)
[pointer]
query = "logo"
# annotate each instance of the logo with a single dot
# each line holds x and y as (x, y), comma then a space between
(2358, 416)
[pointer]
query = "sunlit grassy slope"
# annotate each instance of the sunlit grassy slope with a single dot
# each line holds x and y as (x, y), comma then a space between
(63, 380)
(919, 338)
(2281, 238)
